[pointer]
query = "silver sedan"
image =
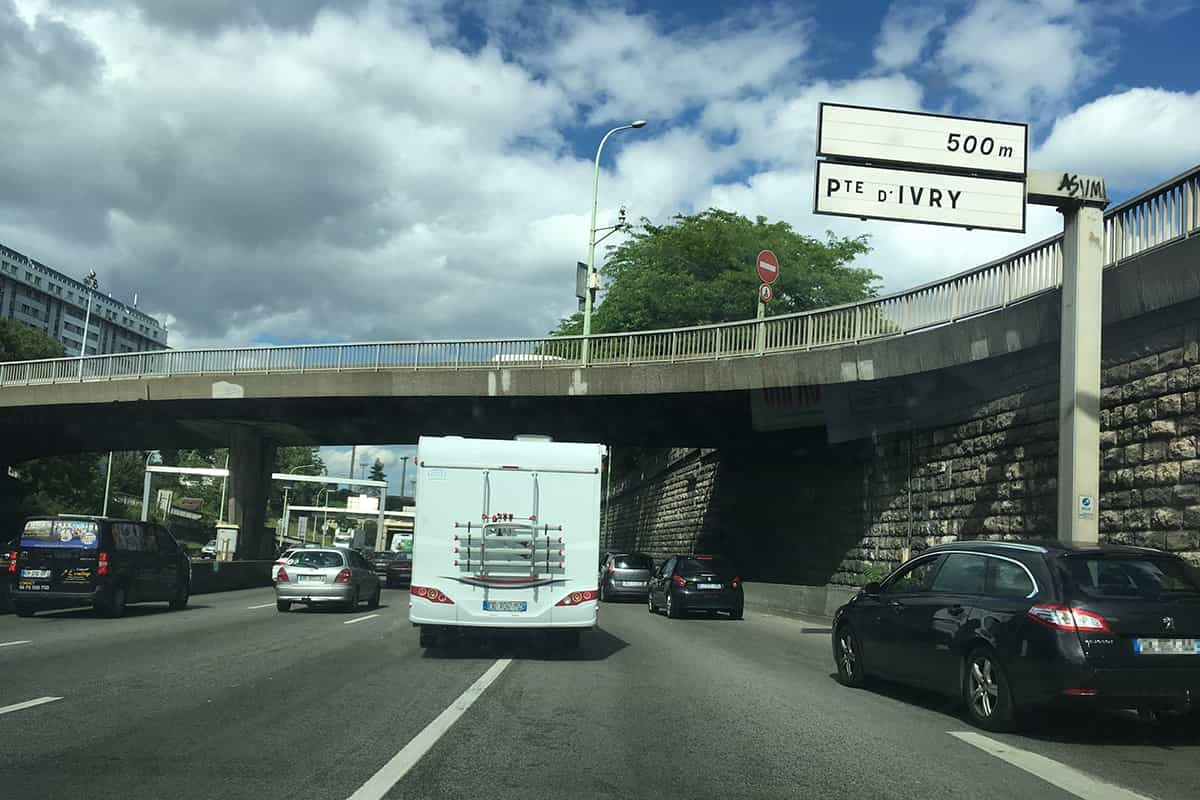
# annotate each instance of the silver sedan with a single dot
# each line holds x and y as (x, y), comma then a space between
(326, 575)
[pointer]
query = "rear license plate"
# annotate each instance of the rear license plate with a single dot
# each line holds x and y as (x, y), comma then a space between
(708, 586)
(1166, 647)
(505, 605)
(35, 573)
(634, 584)
(30, 586)
(312, 579)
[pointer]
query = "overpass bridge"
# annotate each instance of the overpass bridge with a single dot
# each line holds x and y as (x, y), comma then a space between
(690, 386)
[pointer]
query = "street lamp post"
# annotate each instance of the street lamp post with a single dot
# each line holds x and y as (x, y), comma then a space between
(592, 282)
(92, 283)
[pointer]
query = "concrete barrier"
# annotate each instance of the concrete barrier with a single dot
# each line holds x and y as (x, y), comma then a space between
(222, 576)
(800, 600)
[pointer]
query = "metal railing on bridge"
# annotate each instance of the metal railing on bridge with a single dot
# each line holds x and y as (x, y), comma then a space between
(1163, 215)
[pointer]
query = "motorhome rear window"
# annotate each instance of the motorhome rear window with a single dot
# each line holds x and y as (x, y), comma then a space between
(77, 533)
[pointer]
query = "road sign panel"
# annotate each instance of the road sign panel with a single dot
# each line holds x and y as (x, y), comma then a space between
(905, 137)
(853, 190)
(767, 265)
(765, 295)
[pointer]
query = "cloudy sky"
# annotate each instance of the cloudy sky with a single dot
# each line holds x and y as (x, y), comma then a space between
(266, 171)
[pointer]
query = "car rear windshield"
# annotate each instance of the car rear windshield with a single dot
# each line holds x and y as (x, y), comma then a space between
(633, 562)
(704, 565)
(1129, 576)
(78, 533)
(317, 560)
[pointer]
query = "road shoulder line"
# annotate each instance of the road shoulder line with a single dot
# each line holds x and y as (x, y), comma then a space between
(1053, 772)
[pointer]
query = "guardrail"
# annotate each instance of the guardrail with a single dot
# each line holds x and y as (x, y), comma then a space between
(1162, 215)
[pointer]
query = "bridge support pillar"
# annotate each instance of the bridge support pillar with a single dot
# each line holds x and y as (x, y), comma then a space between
(1079, 386)
(251, 457)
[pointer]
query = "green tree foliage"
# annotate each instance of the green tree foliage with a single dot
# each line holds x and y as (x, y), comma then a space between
(377, 473)
(302, 461)
(699, 269)
(21, 342)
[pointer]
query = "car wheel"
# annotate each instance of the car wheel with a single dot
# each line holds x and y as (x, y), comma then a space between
(848, 655)
(180, 600)
(115, 607)
(352, 603)
(673, 611)
(283, 606)
(374, 601)
(428, 637)
(653, 609)
(986, 692)
(23, 610)
(737, 613)
(604, 593)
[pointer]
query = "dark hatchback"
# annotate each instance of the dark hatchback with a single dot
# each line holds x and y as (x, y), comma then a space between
(102, 562)
(624, 575)
(1009, 627)
(393, 568)
(686, 583)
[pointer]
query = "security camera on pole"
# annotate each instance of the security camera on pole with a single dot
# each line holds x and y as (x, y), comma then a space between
(876, 163)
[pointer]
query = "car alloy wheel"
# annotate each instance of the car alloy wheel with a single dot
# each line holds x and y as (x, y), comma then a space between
(982, 686)
(849, 665)
(986, 692)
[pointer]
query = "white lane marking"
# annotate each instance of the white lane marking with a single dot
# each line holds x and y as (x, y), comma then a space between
(390, 774)
(27, 704)
(360, 619)
(1053, 772)
(264, 605)
(11, 644)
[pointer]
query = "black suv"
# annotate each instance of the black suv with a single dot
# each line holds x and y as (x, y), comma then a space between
(65, 560)
(1008, 626)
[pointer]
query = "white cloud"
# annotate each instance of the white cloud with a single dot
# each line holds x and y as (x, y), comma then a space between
(1133, 139)
(337, 462)
(905, 34)
(1022, 58)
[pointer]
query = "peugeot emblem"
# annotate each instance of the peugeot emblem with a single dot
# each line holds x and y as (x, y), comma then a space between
(1168, 623)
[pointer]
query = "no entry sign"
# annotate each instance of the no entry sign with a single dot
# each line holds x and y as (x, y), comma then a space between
(768, 266)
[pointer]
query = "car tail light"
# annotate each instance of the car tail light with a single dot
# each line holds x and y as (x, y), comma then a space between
(678, 580)
(12, 562)
(576, 598)
(1066, 618)
(281, 576)
(342, 577)
(611, 569)
(1081, 692)
(431, 594)
(102, 563)
(736, 582)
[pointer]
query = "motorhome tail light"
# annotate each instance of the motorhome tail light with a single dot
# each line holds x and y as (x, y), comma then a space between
(101, 563)
(342, 577)
(576, 598)
(678, 580)
(281, 576)
(431, 594)
(1066, 618)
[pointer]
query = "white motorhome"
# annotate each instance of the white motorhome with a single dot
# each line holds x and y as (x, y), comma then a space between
(508, 536)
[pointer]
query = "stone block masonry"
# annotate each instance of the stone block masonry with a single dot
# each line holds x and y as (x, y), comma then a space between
(846, 513)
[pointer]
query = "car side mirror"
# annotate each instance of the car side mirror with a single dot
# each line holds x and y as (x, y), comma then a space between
(872, 588)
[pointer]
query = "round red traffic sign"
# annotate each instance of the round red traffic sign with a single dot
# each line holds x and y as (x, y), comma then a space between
(765, 295)
(768, 266)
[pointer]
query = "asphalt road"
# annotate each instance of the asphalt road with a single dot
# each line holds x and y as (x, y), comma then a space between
(232, 699)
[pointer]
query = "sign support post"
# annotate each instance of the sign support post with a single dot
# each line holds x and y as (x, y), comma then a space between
(766, 264)
(1081, 199)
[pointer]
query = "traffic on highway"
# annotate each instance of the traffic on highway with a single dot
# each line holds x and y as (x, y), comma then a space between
(1039, 669)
